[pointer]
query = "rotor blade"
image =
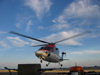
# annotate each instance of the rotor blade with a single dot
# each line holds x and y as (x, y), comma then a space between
(28, 37)
(73, 36)
(39, 45)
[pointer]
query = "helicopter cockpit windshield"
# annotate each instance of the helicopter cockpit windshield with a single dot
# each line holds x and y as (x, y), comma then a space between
(46, 48)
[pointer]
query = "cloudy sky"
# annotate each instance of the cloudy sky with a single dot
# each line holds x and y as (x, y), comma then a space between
(50, 20)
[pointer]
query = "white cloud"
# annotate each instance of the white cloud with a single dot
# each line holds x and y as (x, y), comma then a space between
(82, 8)
(60, 26)
(33, 42)
(60, 23)
(78, 13)
(77, 53)
(85, 52)
(63, 35)
(2, 32)
(39, 6)
(93, 52)
(29, 24)
(22, 20)
(16, 41)
(98, 26)
(4, 44)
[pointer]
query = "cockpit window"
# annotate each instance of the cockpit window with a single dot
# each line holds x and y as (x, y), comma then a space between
(41, 48)
(46, 48)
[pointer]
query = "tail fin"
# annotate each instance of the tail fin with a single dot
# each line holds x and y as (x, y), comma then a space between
(63, 53)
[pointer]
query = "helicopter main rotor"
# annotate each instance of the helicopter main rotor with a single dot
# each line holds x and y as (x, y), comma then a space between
(28, 37)
(46, 41)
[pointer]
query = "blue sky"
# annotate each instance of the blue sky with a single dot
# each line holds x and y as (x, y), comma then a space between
(50, 20)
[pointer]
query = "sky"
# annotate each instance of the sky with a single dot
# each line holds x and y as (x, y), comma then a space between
(51, 21)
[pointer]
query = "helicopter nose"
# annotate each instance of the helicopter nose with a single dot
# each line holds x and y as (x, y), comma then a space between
(41, 54)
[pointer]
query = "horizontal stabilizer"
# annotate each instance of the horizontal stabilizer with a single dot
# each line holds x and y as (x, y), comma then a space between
(65, 59)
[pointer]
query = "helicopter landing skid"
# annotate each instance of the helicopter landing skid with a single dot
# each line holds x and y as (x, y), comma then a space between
(41, 60)
(61, 64)
(47, 64)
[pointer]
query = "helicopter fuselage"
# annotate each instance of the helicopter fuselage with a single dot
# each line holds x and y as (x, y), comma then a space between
(48, 56)
(49, 53)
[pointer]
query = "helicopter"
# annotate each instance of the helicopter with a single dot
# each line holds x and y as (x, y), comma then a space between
(49, 52)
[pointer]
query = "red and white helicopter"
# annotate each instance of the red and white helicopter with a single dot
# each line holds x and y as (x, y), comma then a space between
(48, 52)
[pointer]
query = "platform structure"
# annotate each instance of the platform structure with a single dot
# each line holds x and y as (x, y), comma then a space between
(35, 69)
(29, 69)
